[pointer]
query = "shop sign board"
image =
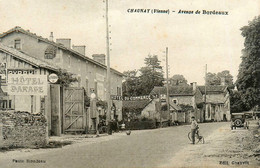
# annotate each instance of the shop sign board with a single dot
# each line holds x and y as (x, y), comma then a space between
(24, 84)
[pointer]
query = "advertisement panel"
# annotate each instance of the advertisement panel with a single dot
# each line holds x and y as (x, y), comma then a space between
(24, 84)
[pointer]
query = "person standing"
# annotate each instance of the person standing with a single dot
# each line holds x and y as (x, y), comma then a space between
(194, 127)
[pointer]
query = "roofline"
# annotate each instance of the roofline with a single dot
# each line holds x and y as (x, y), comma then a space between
(29, 62)
(19, 29)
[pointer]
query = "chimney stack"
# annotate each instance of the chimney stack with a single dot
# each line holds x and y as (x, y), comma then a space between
(101, 58)
(51, 36)
(80, 49)
(223, 81)
(64, 41)
(194, 86)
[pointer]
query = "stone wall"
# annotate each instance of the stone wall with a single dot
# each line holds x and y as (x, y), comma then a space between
(22, 129)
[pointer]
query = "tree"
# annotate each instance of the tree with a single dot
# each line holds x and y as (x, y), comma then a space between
(177, 79)
(130, 85)
(212, 79)
(236, 104)
(151, 75)
(248, 79)
(215, 79)
(227, 77)
(65, 78)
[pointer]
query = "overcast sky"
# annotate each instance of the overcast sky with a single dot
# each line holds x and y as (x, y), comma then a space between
(193, 40)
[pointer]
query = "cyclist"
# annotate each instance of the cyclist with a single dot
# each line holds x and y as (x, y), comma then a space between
(194, 127)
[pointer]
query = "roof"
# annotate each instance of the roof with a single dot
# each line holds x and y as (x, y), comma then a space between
(21, 30)
(174, 90)
(215, 100)
(212, 89)
(137, 104)
(29, 59)
(175, 106)
(2, 93)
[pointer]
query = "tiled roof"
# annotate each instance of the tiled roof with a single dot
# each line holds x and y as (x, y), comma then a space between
(175, 106)
(137, 104)
(212, 89)
(174, 90)
(215, 100)
(21, 30)
(29, 59)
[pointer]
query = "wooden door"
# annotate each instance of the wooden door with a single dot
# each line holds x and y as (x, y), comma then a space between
(74, 118)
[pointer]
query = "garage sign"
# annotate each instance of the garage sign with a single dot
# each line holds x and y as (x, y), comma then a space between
(23, 84)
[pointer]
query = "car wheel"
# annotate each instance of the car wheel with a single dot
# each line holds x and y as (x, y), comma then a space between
(238, 122)
(231, 128)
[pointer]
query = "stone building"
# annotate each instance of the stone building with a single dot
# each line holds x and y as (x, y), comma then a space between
(90, 72)
(217, 102)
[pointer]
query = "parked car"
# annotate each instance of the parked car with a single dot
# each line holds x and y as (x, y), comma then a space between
(239, 120)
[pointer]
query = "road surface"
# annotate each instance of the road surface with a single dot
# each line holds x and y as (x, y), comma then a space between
(145, 148)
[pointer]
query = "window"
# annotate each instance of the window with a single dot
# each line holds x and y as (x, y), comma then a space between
(86, 85)
(17, 44)
(118, 91)
(50, 52)
(5, 105)
(175, 101)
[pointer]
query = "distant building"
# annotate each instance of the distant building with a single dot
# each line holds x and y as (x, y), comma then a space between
(217, 102)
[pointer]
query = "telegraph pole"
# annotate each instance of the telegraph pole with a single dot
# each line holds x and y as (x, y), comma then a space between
(205, 98)
(167, 85)
(108, 117)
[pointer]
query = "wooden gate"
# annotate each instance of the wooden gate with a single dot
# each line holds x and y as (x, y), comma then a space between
(74, 118)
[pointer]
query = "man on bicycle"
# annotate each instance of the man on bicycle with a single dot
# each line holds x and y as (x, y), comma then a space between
(194, 127)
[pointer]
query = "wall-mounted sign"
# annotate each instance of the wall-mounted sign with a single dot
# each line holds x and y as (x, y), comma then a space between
(23, 84)
(3, 71)
(21, 71)
(53, 78)
(146, 97)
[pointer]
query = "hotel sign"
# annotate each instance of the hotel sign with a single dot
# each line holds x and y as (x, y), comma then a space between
(24, 84)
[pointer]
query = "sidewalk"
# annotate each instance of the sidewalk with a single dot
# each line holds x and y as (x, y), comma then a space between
(223, 148)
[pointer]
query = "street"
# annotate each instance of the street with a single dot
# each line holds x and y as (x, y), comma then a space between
(145, 148)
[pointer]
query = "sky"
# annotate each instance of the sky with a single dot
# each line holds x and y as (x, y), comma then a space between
(193, 40)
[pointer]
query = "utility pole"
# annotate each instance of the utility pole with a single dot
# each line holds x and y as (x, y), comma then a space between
(108, 68)
(167, 85)
(205, 98)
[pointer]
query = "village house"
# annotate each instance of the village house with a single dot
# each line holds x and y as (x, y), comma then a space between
(187, 98)
(22, 95)
(90, 72)
(217, 102)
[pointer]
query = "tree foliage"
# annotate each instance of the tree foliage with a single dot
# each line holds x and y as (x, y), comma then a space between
(248, 79)
(65, 78)
(131, 84)
(236, 104)
(150, 75)
(178, 80)
(215, 79)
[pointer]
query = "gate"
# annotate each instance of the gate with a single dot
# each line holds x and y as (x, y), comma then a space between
(74, 118)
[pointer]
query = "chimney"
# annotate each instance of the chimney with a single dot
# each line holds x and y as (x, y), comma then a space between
(101, 58)
(223, 81)
(64, 41)
(194, 86)
(51, 36)
(80, 49)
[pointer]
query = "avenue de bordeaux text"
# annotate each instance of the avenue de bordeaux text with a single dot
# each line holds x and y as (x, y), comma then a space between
(180, 11)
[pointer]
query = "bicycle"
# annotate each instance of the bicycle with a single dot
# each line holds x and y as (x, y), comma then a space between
(198, 138)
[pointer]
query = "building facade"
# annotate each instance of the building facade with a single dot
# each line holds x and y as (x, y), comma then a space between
(91, 73)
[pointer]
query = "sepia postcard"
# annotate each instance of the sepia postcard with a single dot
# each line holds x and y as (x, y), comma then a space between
(129, 83)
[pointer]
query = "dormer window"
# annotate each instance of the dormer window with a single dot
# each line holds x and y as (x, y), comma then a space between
(50, 52)
(17, 44)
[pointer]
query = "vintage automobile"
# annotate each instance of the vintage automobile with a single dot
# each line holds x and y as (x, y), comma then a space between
(239, 120)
